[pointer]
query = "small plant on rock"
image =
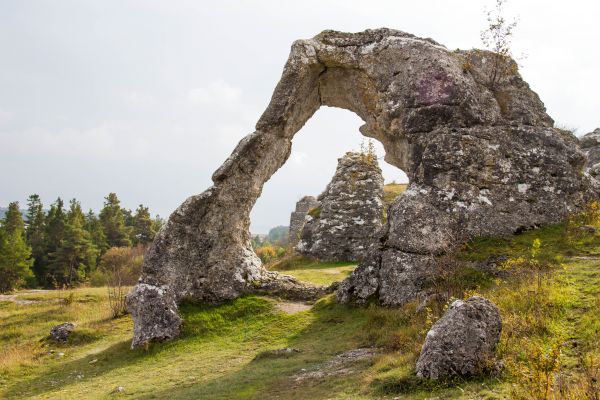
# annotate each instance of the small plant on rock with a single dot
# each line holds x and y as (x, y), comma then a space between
(497, 38)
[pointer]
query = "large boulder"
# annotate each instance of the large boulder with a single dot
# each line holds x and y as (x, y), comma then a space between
(350, 212)
(299, 217)
(481, 154)
(462, 342)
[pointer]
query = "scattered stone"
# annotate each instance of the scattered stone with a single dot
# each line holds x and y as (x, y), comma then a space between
(119, 389)
(299, 216)
(483, 159)
(350, 212)
(60, 333)
(462, 342)
(286, 352)
(587, 229)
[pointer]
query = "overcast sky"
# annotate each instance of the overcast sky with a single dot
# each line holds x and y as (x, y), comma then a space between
(147, 98)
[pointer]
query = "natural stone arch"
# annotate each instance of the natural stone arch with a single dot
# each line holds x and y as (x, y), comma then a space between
(469, 152)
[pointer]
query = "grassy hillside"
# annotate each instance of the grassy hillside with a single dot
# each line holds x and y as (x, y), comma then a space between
(548, 296)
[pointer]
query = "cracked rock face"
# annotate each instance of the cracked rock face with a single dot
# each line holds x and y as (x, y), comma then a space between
(350, 212)
(480, 162)
(590, 144)
(462, 342)
(299, 217)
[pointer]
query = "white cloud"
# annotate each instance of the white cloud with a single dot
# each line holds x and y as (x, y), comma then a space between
(219, 93)
(139, 100)
(298, 157)
(5, 116)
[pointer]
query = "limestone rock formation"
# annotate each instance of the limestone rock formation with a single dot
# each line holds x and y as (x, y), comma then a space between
(482, 159)
(462, 342)
(60, 333)
(350, 212)
(299, 216)
(590, 144)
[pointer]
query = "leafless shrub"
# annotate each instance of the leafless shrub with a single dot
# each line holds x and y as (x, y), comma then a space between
(122, 267)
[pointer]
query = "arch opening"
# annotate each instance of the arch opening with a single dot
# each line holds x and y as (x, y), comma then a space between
(327, 136)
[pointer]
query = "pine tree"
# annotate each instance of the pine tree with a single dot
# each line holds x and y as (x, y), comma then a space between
(143, 230)
(15, 255)
(55, 225)
(96, 231)
(13, 220)
(113, 222)
(36, 235)
(76, 255)
(56, 221)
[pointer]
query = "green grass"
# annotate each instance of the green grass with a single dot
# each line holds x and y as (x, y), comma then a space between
(391, 191)
(314, 271)
(221, 354)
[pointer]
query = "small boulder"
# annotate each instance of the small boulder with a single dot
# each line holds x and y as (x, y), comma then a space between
(60, 333)
(587, 230)
(462, 342)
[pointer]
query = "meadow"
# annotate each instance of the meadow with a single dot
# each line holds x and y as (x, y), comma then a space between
(546, 284)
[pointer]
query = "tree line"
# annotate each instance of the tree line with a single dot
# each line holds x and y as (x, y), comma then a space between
(63, 246)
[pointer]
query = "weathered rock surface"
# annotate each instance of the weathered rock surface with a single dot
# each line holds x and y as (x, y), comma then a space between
(482, 159)
(350, 212)
(462, 342)
(299, 217)
(60, 333)
(590, 144)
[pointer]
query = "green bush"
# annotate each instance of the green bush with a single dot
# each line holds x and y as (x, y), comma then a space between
(98, 279)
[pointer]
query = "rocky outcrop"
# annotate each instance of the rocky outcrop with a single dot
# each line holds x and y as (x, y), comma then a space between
(350, 213)
(60, 333)
(299, 217)
(590, 144)
(462, 342)
(482, 159)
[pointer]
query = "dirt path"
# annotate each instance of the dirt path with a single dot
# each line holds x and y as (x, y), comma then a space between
(291, 307)
(15, 297)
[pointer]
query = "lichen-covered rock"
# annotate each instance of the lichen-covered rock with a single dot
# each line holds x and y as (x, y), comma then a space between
(590, 144)
(462, 342)
(299, 217)
(60, 333)
(156, 314)
(350, 212)
(482, 159)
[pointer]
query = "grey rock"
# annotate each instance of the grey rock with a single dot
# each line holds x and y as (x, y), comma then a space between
(156, 312)
(285, 352)
(60, 333)
(299, 216)
(590, 144)
(350, 212)
(462, 342)
(587, 229)
(481, 161)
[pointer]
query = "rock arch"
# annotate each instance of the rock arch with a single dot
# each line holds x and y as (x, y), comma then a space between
(481, 161)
